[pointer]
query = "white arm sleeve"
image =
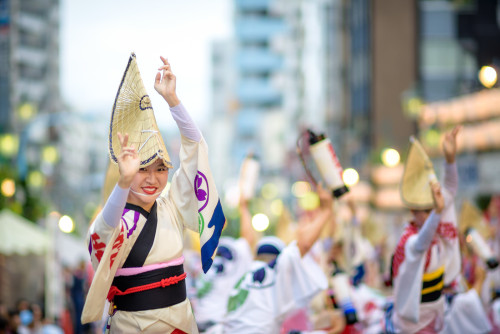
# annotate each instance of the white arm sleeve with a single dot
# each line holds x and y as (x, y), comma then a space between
(184, 122)
(113, 209)
(426, 233)
(451, 178)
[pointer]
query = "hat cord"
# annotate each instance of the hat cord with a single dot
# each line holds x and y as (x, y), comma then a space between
(153, 132)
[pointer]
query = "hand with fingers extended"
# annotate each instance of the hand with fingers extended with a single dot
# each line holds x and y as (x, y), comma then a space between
(450, 144)
(128, 162)
(165, 83)
(437, 196)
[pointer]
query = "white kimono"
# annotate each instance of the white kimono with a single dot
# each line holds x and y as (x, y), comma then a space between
(215, 287)
(466, 314)
(192, 202)
(265, 295)
(441, 260)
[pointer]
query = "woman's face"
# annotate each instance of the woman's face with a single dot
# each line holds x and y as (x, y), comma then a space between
(420, 216)
(148, 184)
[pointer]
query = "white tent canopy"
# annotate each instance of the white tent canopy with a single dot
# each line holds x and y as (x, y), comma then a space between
(19, 236)
(33, 245)
(71, 250)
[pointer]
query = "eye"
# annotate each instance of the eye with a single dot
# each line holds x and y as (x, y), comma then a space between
(143, 170)
(162, 169)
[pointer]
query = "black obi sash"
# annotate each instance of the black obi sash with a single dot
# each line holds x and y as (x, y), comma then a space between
(149, 299)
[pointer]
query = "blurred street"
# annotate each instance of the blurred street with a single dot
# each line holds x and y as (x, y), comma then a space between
(267, 82)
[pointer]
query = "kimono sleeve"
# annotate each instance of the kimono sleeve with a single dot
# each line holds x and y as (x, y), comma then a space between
(408, 283)
(181, 192)
(298, 280)
(195, 197)
(466, 315)
(98, 237)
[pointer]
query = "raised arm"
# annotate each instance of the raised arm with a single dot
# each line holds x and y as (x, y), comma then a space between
(450, 150)
(186, 201)
(165, 85)
(426, 233)
(308, 233)
(128, 165)
(246, 230)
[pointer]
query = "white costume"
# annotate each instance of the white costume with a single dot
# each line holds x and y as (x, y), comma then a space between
(424, 262)
(267, 293)
(192, 202)
(466, 314)
(233, 259)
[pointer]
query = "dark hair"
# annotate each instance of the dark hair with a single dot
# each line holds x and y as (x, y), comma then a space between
(3, 323)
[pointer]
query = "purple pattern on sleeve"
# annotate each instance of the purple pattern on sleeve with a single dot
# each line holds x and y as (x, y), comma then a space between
(202, 195)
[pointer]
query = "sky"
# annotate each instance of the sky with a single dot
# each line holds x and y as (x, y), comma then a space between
(97, 37)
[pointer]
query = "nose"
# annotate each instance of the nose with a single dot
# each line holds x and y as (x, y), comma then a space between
(151, 176)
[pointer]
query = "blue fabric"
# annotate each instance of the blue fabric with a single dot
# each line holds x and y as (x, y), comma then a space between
(224, 252)
(268, 249)
(389, 326)
(259, 275)
(359, 274)
(208, 249)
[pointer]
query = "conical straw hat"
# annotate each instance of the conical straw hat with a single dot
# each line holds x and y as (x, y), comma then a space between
(415, 189)
(470, 216)
(133, 114)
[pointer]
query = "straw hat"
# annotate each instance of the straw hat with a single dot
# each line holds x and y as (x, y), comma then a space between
(415, 189)
(471, 217)
(133, 114)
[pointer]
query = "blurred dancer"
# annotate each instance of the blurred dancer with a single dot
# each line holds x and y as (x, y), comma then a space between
(281, 279)
(427, 256)
(465, 312)
(136, 242)
(233, 259)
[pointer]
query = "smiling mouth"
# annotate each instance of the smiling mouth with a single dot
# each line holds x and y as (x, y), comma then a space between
(149, 191)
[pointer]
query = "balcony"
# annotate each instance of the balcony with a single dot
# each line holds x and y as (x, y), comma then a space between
(258, 91)
(250, 60)
(259, 29)
(31, 23)
(252, 4)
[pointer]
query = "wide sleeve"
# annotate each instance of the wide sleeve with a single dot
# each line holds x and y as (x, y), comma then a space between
(182, 187)
(298, 280)
(195, 198)
(466, 315)
(408, 283)
(107, 221)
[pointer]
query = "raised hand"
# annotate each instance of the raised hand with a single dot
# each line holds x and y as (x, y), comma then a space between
(308, 233)
(165, 83)
(450, 144)
(437, 197)
(325, 197)
(128, 162)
